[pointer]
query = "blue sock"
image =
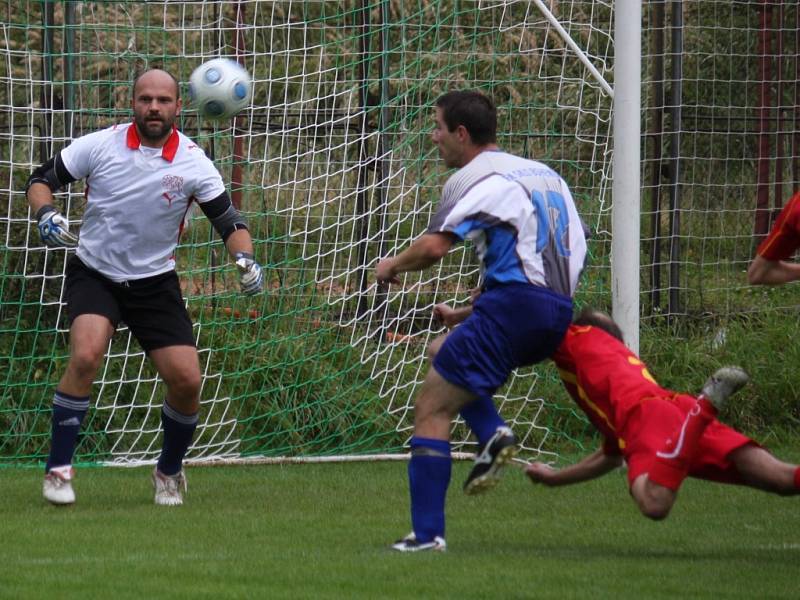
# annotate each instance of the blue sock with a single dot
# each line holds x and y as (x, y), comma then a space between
(68, 413)
(482, 418)
(178, 433)
(428, 478)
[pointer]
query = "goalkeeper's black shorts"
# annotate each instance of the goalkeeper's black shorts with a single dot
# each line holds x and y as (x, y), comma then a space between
(152, 308)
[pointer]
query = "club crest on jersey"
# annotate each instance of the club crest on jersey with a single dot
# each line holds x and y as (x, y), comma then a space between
(172, 183)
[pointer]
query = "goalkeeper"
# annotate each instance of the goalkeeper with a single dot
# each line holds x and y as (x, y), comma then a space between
(663, 436)
(141, 179)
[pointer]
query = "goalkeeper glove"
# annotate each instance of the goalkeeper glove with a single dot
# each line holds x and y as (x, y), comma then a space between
(54, 228)
(250, 276)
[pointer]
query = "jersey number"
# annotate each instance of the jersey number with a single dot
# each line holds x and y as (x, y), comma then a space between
(553, 218)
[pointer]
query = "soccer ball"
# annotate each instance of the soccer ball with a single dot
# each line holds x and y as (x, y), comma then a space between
(220, 88)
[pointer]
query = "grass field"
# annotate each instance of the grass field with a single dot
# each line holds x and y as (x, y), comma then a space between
(322, 531)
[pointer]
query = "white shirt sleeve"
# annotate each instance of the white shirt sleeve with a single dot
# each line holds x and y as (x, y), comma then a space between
(209, 183)
(78, 156)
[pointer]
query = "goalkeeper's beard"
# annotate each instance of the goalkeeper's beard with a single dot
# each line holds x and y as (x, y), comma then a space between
(146, 130)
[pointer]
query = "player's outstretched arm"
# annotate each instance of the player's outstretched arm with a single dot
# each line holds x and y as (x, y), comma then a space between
(763, 271)
(240, 247)
(424, 252)
(592, 466)
(232, 228)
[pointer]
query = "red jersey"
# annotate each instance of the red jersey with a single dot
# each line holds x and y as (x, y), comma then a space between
(784, 238)
(605, 379)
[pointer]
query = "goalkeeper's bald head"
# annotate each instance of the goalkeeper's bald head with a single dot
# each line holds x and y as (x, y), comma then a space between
(159, 73)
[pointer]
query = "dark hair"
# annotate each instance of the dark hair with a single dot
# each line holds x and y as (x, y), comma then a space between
(599, 319)
(474, 111)
(138, 75)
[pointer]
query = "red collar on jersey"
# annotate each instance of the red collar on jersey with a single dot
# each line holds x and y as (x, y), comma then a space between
(167, 151)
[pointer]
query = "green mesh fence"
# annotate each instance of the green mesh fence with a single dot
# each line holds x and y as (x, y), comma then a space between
(333, 166)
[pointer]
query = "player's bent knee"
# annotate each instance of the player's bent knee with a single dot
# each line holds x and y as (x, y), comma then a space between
(426, 406)
(432, 416)
(185, 384)
(191, 385)
(85, 362)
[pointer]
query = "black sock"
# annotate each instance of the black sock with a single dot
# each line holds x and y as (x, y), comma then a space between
(178, 433)
(68, 413)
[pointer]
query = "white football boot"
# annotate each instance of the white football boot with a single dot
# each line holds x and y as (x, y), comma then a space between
(411, 544)
(57, 487)
(723, 384)
(169, 488)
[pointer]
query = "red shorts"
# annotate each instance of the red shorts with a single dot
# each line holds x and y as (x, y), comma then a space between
(655, 420)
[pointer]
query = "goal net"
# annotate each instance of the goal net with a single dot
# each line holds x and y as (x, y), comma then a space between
(333, 167)
(721, 153)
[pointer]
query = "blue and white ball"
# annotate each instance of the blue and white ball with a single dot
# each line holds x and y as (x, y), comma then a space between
(220, 88)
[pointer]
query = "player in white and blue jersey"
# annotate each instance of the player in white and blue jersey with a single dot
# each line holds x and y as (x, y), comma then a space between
(142, 178)
(522, 219)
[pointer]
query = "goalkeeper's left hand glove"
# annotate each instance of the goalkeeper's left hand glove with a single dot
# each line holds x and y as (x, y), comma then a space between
(251, 277)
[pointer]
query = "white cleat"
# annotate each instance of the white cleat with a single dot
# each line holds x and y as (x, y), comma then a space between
(723, 384)
(169, 488)
(411, 544)
(57, 487)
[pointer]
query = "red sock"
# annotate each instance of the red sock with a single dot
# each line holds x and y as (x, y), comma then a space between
(672, 462)
(797, 478)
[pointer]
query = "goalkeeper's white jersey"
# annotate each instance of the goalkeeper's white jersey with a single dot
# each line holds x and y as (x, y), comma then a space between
(137, 198)
(521, 217)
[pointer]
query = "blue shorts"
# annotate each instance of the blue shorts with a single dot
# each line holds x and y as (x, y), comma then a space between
(510, 326)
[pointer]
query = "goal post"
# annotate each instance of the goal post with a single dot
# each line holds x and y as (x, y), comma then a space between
(626, 188)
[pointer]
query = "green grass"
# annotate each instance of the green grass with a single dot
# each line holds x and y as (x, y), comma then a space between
(321, 531)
